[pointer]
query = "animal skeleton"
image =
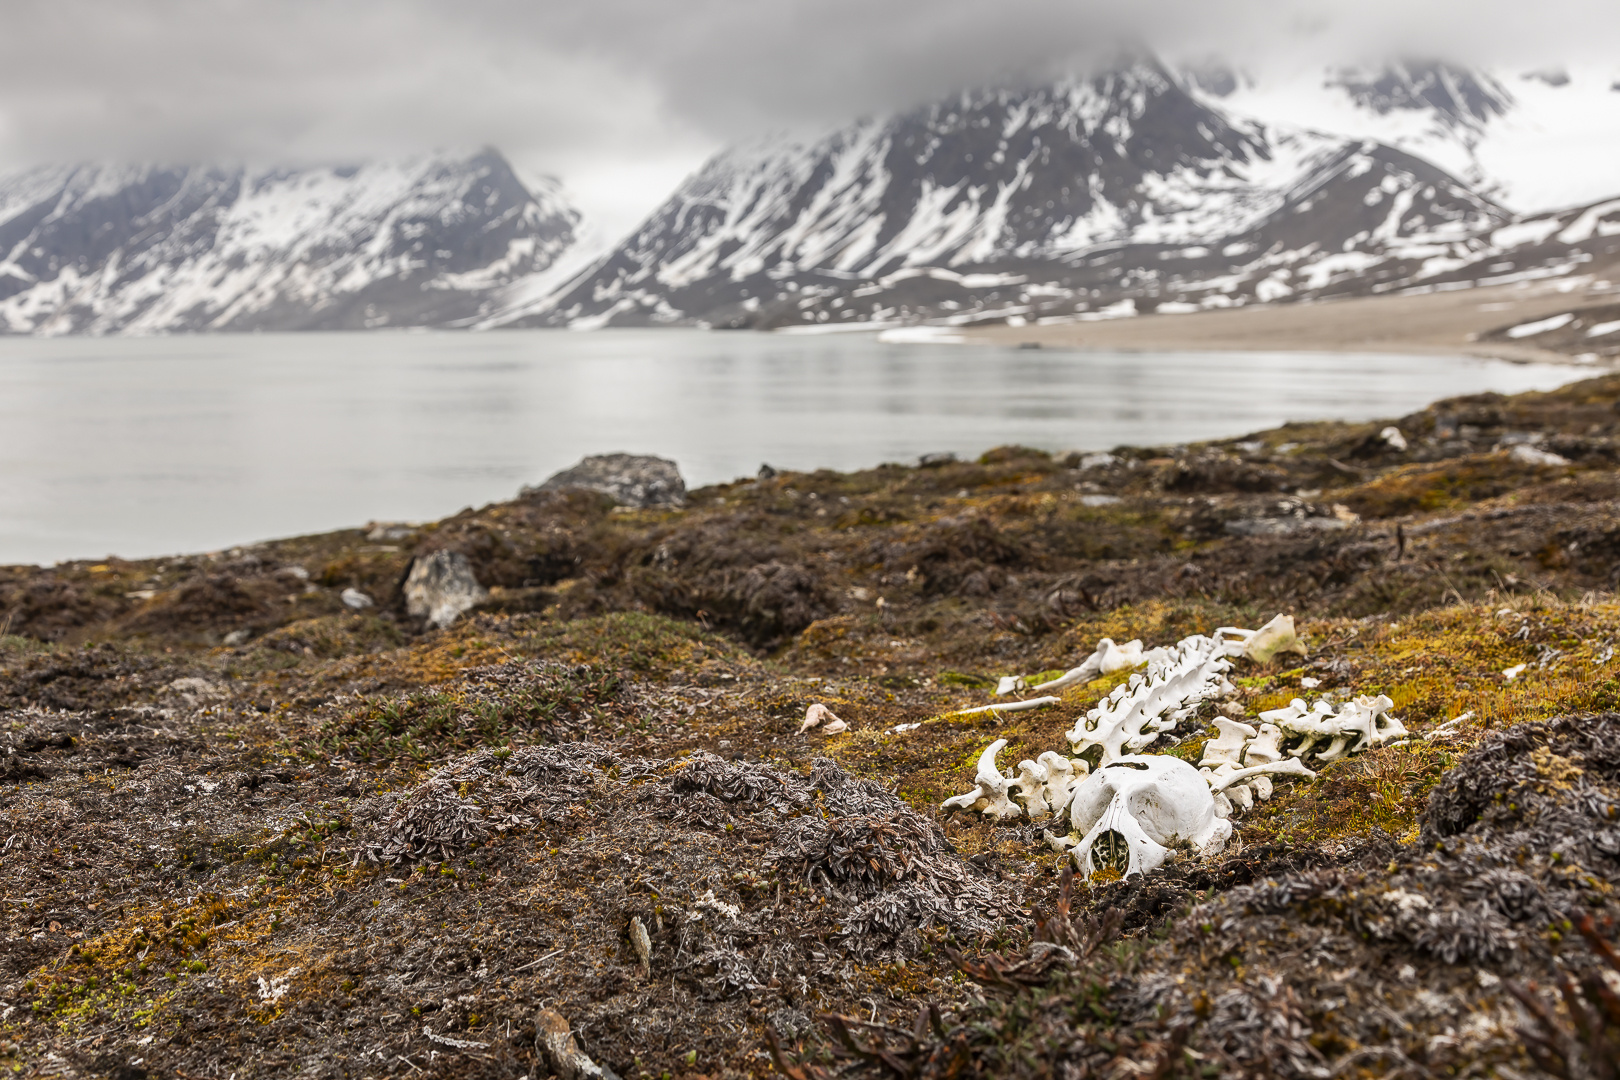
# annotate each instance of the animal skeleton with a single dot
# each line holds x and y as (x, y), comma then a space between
(1166, 810)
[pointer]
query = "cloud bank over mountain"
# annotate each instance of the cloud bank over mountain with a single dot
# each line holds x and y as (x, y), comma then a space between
(621, 98)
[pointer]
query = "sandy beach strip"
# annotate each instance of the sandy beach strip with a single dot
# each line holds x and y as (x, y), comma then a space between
(1439, 322)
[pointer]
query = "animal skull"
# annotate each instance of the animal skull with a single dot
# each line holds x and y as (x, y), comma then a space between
(1133, 812)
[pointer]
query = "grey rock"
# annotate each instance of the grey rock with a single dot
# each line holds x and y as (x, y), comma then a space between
(238, 637)
(767, 472)
(440, 586)
(638, 480)
(931, 461)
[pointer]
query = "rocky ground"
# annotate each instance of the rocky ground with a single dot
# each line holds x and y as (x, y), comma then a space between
(249, 830)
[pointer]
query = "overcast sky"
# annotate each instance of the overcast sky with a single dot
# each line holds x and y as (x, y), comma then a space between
(621, 98)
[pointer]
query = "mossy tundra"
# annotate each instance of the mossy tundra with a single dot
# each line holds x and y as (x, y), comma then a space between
(245, 830)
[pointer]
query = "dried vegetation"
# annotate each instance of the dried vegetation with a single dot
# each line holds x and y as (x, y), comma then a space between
(246, 830)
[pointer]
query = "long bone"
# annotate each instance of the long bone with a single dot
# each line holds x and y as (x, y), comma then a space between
(1012, 706)
(1286, 767)
(1107, 659)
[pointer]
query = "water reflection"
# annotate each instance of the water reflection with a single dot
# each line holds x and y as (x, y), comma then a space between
(145, 446)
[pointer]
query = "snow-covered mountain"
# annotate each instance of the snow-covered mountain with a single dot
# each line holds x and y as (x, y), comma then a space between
(424, 241)
(1532, 140)
(1071, 198)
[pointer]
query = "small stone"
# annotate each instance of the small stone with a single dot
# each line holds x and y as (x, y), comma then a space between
(238, 637)
(642, 942)
(554, 1039)
(766, 472)
(354, 598)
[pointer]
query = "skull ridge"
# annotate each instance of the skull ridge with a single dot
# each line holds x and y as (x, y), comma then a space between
(1134, 813)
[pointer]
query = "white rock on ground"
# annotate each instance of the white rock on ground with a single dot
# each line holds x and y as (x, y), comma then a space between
(440, 586)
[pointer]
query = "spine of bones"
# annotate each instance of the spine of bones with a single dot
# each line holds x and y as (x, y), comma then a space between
(1134, 811)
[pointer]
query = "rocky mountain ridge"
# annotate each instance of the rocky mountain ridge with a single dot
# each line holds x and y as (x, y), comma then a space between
(144, 248)
(1090, 198)
(1142, 187)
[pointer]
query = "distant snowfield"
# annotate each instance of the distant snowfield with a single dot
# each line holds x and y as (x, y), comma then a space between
(1555, 143)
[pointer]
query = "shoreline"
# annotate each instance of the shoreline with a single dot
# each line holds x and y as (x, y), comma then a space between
(1448, 323)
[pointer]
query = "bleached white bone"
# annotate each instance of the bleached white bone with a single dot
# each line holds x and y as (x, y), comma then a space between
(819, 715)
(1228, 745)
(1012, 706)
(1358, 725)
(1265, 746)
(1276, 636)
(1241, 795)
(1046, 784)
(1286, 767)
(989, 796)
(1262, 786)
(1149, 704)
(1149, 804)
(1106, 659)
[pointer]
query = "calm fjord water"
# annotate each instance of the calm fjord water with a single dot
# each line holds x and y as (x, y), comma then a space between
(147, 446)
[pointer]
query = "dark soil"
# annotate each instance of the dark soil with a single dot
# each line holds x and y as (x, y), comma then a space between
(342, 845)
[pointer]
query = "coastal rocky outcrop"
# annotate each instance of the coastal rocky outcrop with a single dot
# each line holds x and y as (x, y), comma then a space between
(635, 480)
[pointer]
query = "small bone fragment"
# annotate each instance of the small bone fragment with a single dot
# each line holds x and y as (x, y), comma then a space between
(1031, 784)
(819, 714)
(1513, 672)
(556, 1043)
(1112, 658)
(1242, 798)
(1010, 684)
(1223, 805)
(1286, 767)
(642, 942)
(990, 794)
(1393, 438)
(1262, 786)
(1264, 747)
(1046, 784)
(1277, 636)
(1228, 746)
(1011, 706)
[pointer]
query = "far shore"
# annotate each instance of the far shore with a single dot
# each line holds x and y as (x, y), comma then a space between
(1433, 323)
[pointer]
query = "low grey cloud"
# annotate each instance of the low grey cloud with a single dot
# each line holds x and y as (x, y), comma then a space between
(623, 95)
